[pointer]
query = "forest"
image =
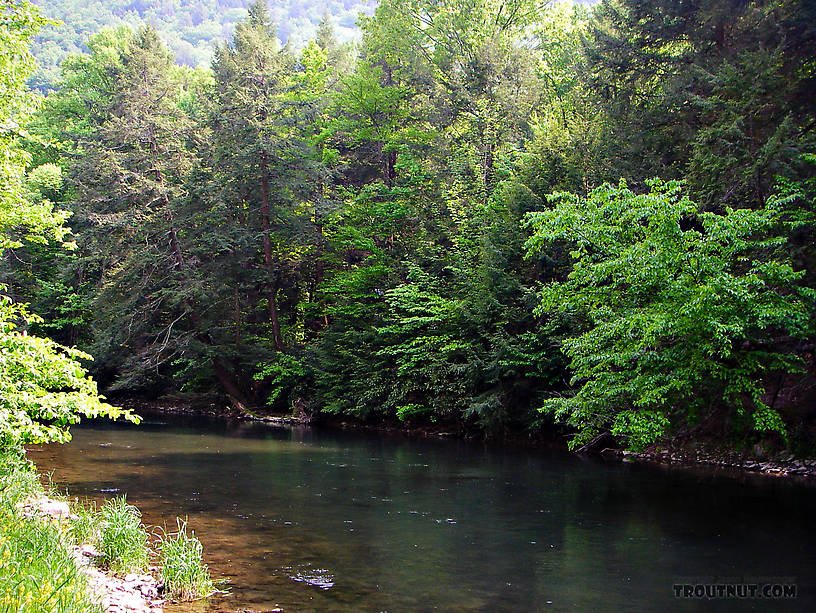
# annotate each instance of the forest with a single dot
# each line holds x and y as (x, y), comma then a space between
(190, 28)
(494, 217)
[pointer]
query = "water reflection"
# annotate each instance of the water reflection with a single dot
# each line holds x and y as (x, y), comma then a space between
(305, 520)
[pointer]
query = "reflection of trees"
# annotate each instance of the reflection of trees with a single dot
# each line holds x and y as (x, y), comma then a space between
(274, 502)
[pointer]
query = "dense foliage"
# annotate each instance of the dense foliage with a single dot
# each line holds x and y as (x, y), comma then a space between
(43, 386)
(427, 230)
(678, 309)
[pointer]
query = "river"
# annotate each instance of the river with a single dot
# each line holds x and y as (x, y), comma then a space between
(300, 519)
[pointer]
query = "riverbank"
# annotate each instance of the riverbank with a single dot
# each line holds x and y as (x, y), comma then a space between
(689, 454)
(782, 465)
(60, 556)
(48, 553)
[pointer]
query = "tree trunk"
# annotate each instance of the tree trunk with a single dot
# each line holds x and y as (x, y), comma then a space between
(267, 242)
(390, 168)
(226, 381)
(174, 244)
(389, 158)
(487, 169)
(237, 315)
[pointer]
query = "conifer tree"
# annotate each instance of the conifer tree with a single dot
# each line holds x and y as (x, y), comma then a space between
(129, 184)
(261, 160)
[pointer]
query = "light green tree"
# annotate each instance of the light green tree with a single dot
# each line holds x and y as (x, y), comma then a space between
(43, 386)
(678, 311)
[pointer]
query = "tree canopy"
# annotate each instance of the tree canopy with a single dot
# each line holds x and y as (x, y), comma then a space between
(493, 217)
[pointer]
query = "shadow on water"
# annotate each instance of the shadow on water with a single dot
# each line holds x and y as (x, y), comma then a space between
(335, 521)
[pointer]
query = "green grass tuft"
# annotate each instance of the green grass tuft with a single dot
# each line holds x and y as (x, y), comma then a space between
(123, 543)
(184, 573)
(86, 527)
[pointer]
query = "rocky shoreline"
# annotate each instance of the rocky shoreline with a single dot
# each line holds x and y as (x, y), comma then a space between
(134, 593)
(785, 466)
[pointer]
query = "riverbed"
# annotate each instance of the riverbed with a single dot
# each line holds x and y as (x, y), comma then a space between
(299, 519)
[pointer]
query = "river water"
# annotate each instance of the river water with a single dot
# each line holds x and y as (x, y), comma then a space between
(299, 519)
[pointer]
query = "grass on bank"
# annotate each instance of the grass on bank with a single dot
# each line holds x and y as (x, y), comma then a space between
(85, 528)
(37, 571)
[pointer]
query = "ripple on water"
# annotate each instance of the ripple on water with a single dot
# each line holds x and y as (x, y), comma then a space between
(517, 544)
(318, 577)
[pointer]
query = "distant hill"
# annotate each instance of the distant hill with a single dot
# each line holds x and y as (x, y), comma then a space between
(190, 27)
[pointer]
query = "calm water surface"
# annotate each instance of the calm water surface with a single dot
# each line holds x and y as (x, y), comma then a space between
(312, 520)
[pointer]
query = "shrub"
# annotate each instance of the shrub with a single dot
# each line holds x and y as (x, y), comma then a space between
(675, 310)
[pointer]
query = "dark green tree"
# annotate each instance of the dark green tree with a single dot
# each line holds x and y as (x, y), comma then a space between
(711, 90)
(136, 155)
(259, 188)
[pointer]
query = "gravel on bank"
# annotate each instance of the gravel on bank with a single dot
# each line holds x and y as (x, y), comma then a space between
(784, 466)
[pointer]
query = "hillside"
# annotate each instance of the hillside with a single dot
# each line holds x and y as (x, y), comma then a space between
(189, 27)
